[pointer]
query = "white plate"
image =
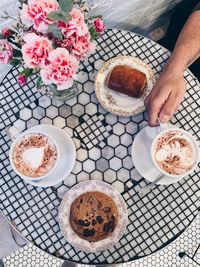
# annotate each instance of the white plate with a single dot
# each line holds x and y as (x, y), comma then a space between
(64, 214)
(67, 160)
(141, 156)
(117, 103)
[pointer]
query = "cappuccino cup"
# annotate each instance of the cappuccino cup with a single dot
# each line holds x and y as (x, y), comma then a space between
(175, 152)
(33, 154)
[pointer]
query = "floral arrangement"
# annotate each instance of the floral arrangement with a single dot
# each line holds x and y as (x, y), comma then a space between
(50, 38)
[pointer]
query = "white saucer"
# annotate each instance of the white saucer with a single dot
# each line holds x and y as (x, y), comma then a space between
(67, 160)
(121, 104)
(141, 156)
(64, 215)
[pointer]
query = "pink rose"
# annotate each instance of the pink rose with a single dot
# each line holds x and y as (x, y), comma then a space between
(35, 14)
(61, 70)
(22, 79)
(6, 32)
(36, 50)
(99, 25)
(6, 51)
(83, 47)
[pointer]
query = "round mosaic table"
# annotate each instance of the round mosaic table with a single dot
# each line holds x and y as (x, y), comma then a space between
(103, 143)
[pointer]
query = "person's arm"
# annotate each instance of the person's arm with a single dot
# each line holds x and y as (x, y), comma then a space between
(169, 89)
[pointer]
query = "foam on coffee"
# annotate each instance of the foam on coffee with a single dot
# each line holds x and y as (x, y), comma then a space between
(34, 155)
(174, 152)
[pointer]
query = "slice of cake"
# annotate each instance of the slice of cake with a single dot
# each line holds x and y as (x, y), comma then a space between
(93, 216)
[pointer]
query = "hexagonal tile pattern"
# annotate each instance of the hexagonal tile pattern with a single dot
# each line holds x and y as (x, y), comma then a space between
(115, 164)
(25, 114)
(118, 129)
(113, 140)
(94, 153)
(52, 112)
(59, 121)
(32, 122)
(121, 151)
(91, 109)
(102, 164)
(20, 124)
(89, 165)
(110, 176)
(72, 121)
(82, 154)
(38, 113)
(88, 87)
(108, 152)
(131, 127)
(126, 139)
(78, 110)
(103, 144)
(65, 111)
(84, 99)
(82, 76)
(44, 101)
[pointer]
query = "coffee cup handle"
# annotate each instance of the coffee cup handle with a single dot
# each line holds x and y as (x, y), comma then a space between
(13, 132)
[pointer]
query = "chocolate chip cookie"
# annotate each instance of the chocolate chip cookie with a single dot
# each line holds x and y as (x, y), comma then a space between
(93, 216)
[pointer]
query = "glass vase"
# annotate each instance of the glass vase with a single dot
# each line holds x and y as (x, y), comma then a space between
(65, 94)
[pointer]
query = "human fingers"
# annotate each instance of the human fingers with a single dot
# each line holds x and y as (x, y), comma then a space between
(170, 107)
(153, 113)
(155, 105)
(147, 100)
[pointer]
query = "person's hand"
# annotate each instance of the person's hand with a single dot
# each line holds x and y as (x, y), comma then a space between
(165, 97)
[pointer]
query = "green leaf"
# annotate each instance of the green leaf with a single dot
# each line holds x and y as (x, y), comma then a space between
(53, 28)
(93, 33)
(14, 62)
(11, 40)
(35, 71)
(39, 83)
(28, 72)
(17, 53)
(66, 5)
(57, 16)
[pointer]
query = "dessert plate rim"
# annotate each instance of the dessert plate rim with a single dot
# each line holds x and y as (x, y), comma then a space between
(64, 215)
(115, 102)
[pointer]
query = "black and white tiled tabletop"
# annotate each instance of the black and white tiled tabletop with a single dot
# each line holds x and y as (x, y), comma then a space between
(183, 252)
(103, 143)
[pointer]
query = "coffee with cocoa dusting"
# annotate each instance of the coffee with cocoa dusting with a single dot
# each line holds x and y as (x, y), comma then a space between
(174, 152)
(34, 155)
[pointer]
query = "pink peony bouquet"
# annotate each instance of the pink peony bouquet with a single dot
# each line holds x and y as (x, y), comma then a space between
(50, 38)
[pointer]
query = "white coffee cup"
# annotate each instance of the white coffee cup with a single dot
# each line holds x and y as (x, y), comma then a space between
(190, 139)
(16, 136)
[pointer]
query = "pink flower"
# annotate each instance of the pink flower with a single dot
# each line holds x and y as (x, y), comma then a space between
(99, 25)
(68, 29)
(61, 70)
(36, 50)
(67, 43)
(35, 14)
(6, 52)
(75, 26)
(83, 47)
(6, 32)
(78, 20)
(22, 79)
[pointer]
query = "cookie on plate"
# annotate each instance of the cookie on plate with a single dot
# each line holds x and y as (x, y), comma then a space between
(93, 216)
